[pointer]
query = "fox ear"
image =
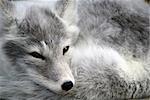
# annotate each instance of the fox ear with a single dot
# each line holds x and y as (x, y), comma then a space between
(6, 13)
(6, 7)
(67, 10)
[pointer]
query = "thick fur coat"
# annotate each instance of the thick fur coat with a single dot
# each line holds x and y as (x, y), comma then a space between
(107, 60)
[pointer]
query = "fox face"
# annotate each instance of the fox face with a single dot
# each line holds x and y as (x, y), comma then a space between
(40, 46)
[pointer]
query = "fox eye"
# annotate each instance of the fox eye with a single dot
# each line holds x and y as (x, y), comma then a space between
(37, 55)
(65, 49)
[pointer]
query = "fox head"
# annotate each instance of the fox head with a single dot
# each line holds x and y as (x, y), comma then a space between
(39, 45)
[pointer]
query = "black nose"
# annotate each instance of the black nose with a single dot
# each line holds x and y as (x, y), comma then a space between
(67, 86)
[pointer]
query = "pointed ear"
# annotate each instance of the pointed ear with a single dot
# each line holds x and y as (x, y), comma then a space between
(6, 6)
(67, 10)
(6, 13)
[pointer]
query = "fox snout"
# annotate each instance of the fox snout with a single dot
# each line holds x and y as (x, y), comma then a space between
(67, 85)
(60, 78)
(66, 78)
(66, 82)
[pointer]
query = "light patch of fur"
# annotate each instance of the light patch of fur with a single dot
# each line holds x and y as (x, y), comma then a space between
(21, 7)
(107, 55)
(134, 69)
(71, 11)
(47, 51)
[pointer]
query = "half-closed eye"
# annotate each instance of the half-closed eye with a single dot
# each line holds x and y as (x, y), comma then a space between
(37, 55)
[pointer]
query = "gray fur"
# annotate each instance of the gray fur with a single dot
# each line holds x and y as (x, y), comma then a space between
(123, 24)
(114, 37)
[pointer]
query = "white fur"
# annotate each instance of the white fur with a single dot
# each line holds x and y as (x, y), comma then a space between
(131, 69)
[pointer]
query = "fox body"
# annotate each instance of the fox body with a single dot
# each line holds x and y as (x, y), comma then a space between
(42, 49)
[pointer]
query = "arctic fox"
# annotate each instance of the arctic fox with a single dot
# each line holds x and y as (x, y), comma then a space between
(45, 57)
(35, 51)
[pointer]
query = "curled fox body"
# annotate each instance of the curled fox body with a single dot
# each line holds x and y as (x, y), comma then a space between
(45, 57)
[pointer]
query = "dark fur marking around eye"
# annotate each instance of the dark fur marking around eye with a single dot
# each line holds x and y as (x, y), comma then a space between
(65, 50)
(14, 50)
(37, 55)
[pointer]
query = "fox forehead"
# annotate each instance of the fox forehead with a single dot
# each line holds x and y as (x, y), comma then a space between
(43, 24)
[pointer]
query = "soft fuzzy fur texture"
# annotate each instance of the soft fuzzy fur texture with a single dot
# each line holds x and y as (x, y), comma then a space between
(109, 59)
